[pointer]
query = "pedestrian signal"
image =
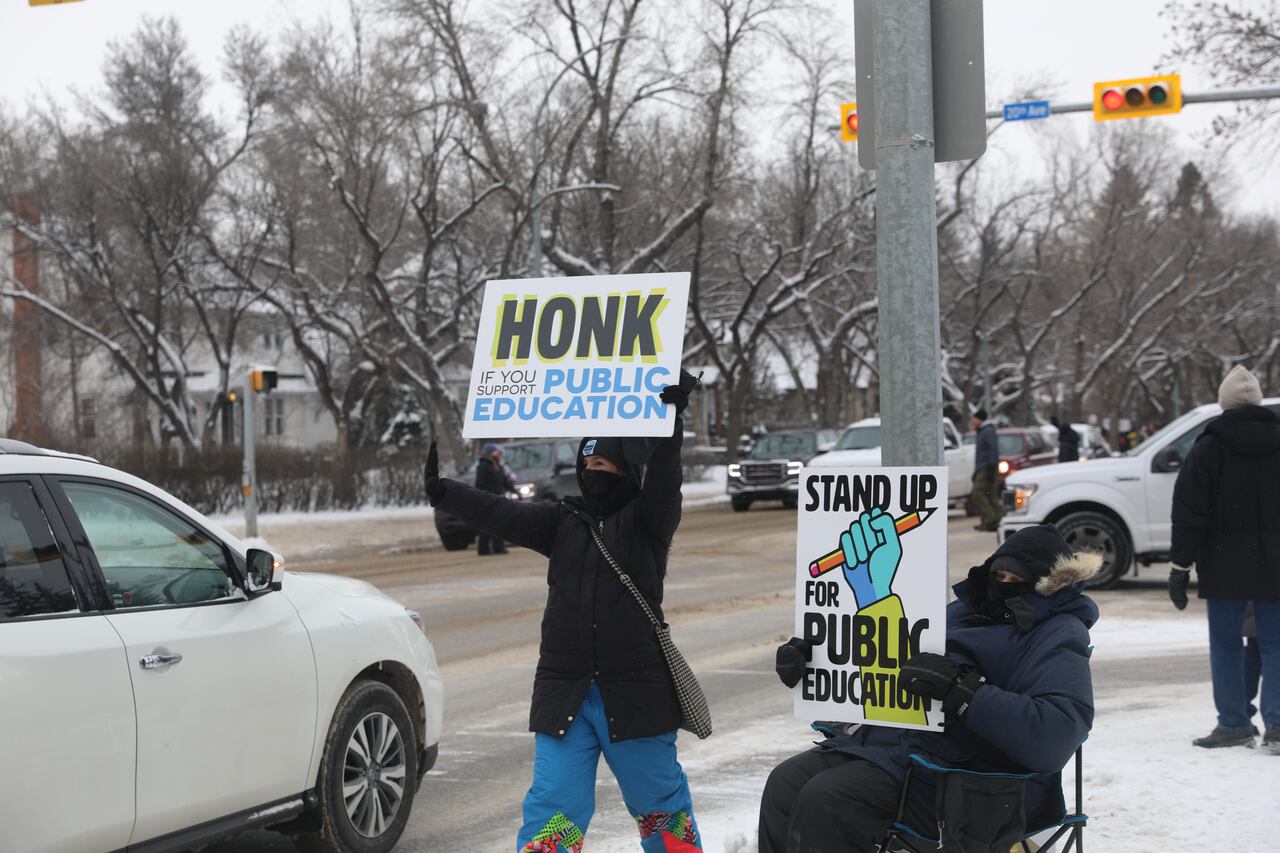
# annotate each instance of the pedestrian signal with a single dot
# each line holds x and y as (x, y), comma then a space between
(849, 122)
(1137, 98)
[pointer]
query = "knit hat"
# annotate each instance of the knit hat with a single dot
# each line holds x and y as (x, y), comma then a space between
(610, 448)
(1240, 388)
(981, 414)
(490, 449)
(1031, 552)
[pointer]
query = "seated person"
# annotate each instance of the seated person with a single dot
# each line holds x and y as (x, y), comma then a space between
(1015, 688)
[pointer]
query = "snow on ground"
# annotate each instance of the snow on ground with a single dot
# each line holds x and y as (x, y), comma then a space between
(1146, 787)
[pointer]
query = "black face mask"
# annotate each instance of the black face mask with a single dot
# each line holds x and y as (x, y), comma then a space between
(599, 485)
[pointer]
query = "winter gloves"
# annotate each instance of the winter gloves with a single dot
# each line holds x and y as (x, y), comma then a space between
(791, 659)
(432, 484)
(678, 395)
(1179, 577)
(939, 677)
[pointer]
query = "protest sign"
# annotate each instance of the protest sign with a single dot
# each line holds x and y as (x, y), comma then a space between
(589, 355)
(871, 590)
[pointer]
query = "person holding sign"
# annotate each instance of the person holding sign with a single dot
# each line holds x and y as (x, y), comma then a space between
(602, 684)
(1014, 684)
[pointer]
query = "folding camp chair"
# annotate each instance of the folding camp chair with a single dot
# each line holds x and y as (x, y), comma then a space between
(954, 782)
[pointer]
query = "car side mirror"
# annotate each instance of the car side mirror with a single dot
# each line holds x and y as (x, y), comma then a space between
(262, 571)
(1167, 461)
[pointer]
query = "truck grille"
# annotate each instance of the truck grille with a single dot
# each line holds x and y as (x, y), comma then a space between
(762, 473)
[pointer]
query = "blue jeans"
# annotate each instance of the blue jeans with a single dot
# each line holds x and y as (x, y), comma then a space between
(562, 799)
(1227, 661)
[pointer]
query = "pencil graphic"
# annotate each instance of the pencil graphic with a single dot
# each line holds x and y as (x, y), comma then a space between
(835, 559)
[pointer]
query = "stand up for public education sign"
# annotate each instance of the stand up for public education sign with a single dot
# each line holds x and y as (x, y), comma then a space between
(577, 356)
(871, 590)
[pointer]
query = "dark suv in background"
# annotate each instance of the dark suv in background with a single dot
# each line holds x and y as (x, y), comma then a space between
(543, 469)
(770, 471)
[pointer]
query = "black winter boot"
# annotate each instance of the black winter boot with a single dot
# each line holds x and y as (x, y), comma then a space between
(1221, 737)
(1271, 740)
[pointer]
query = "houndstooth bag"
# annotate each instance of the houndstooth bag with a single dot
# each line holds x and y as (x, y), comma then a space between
(694, 713)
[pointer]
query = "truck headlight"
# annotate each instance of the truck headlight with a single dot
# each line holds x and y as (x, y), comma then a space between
(526, 490)
(793, 468)
(735, 470)
(1003, 467)
(1022, 496)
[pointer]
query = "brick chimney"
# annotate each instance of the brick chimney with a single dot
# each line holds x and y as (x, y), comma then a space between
(28, 419)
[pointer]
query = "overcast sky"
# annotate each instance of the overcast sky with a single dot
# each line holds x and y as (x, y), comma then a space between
(49, 49)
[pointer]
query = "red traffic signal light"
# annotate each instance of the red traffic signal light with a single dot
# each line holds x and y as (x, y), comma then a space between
(849, 122)
(1138, 97)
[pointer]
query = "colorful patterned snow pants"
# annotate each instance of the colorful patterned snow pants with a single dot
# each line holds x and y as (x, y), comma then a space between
(561, 801)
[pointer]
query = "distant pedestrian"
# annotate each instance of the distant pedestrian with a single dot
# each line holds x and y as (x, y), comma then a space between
(1068, 441)
(986, 486)
(1226, 524)
(492, 477)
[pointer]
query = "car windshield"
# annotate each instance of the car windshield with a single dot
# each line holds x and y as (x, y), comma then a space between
(1173, 426)
(859, 438)
(1010, 444)
(784, 445)
(527, 457)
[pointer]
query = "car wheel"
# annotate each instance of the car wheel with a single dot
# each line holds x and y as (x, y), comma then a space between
(368, 774)
(1093, 531)
(455, 541)
(740, 505)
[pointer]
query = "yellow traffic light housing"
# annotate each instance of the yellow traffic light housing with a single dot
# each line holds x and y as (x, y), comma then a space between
(263, 379)
(849, 122)
(1138, 97)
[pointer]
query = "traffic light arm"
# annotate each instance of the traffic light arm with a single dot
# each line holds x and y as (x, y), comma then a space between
(1225, 95)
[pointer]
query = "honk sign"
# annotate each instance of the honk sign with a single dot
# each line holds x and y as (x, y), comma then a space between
(871, 590)
(567, 357)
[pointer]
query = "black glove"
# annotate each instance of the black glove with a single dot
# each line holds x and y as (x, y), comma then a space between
(939, 677)
(678, 395)
(1178, 580)
(431, 482)
(791, 659)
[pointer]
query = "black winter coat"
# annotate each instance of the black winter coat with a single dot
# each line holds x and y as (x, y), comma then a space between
(1226, 506)
(592, 628)
(490, 477)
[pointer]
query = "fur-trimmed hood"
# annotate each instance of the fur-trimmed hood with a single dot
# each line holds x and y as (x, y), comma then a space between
(1069, 571)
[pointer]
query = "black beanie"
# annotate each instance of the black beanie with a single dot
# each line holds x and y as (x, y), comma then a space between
(981, 414)
(1031, 553)
(609, 448)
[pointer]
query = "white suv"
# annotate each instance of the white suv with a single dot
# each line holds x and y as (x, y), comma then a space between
(1118, 505)
(162, 686)
(859, 447)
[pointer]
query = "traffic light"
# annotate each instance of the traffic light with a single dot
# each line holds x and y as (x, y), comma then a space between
(1137, 98)
(264, 379)
(849, 122)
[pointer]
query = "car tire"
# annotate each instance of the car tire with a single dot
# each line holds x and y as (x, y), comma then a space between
(1093, 531)
(455, 541)
(740, 504)
(369, 716)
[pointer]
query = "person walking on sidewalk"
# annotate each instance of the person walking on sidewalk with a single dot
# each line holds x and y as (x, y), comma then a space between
(602, 684)
(1068, 441)
(986, 480)
(1226, 525)
(491, 477)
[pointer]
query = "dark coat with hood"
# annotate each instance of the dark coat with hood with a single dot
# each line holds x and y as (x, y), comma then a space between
(1226, 506)
(1037, 705)
(592, 628)
(491, 477)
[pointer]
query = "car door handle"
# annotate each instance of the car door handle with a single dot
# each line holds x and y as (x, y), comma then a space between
(1127, 479)
(158, 661)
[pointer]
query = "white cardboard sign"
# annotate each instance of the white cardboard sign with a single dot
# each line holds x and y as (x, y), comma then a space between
(559, 357)
(871, 590)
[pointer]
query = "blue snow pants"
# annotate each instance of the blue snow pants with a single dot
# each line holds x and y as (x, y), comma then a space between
(562, 799)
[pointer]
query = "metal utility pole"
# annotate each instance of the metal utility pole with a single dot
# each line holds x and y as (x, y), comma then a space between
(906, 235)
(249, 479)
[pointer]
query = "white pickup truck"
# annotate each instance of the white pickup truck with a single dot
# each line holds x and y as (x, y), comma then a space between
(859, 446)
(1119, 505)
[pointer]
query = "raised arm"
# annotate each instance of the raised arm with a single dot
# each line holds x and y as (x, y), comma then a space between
(529, 525)
(660, 494)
